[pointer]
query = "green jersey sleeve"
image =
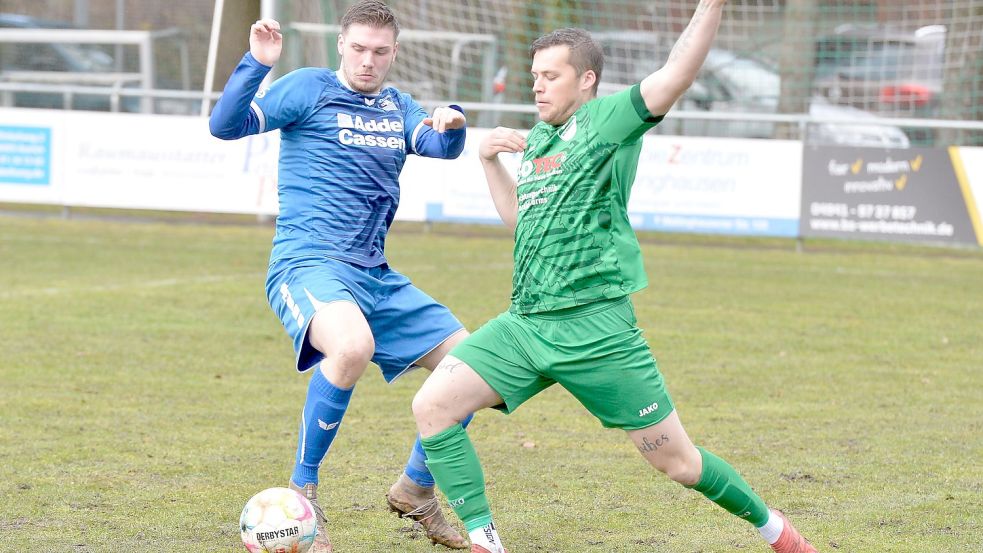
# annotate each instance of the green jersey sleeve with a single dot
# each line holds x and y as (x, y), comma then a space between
(623, 117)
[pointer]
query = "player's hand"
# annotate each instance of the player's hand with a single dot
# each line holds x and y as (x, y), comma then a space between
(500, 140)
(265, 41)
(445, 119)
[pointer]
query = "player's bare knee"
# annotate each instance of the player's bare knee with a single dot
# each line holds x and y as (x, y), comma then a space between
(682, 468)
(352, 354)
(682, 472)
(422, 406)
(343, 365)
(681, 464)
(430, 411)
(341, 376)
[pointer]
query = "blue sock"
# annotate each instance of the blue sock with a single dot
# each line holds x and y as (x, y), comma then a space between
(326, 405)
(416, 466)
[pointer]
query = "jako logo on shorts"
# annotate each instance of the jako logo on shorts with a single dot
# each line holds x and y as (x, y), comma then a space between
(292, 305)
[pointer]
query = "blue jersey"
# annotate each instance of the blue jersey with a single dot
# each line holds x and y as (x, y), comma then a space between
(341, 153)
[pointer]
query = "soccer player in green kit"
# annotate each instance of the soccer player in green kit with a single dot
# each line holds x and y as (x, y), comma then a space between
(577, 260)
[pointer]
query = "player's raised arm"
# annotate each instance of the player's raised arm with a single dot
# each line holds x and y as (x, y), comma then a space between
(661, 89)
(232, 117)
(500, 183)
(265, 41)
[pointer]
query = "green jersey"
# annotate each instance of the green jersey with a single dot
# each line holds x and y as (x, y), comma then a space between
(573, 241)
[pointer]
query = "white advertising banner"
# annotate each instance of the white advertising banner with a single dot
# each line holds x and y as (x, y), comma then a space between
(451, 190)
(705, 185)
(718, 185)
(173, 163)
(169, 163)
(133, 161)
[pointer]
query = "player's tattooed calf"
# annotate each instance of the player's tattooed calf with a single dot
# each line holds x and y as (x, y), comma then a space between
(648, 447)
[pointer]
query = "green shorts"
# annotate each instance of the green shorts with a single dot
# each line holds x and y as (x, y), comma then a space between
(595, 351)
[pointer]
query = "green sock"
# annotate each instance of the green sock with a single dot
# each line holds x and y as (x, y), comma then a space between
(720, 483)
(454, 464)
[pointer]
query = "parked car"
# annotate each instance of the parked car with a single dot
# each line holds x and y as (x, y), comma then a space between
(881, 70)
(884, 71)
(24, 62)
(733, 83)
(55, 63)
(856, 133)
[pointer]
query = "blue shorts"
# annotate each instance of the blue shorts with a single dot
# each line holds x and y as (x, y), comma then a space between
(406, 323)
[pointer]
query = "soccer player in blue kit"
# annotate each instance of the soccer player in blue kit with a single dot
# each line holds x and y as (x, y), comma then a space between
(344, 139)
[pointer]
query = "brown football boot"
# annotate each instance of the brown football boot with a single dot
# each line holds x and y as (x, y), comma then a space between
(321, 542)
(408, 500)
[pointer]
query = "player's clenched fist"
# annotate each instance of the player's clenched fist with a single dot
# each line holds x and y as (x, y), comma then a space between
(265, 41)
(500, 140)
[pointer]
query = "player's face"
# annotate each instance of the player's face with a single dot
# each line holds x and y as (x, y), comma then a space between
(367, 54)
(559, 90)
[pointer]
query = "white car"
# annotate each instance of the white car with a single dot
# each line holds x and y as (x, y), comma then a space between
(732, 83)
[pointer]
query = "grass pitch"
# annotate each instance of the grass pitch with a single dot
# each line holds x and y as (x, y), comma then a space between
(147, 391)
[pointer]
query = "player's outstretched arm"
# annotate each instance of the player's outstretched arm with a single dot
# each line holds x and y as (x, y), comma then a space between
(441, 134)
(661, 89)
(500, 183)
(446, 119)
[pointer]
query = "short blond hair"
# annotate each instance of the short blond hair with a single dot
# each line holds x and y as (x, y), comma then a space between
(372, 13)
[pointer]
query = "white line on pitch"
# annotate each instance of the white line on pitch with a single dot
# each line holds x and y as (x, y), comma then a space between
(160, 283)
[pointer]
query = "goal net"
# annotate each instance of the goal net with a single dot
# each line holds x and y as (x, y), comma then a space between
(911, 59)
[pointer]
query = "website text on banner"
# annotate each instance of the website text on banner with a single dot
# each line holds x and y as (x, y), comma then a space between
(913, 195)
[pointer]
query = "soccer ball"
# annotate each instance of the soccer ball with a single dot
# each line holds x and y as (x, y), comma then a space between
(278, 520)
